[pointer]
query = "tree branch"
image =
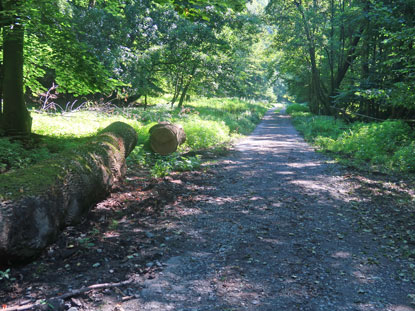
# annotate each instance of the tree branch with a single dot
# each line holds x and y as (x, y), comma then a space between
(69, 295)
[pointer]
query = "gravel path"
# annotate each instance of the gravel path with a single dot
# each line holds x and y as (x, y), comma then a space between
(273, 227)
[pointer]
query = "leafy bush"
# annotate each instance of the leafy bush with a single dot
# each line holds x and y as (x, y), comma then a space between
(162, 165)
(174, 162)
(297, 108)
(374, 142)
(404, 158)
(202, 134)
(318, 128)
(388, 145)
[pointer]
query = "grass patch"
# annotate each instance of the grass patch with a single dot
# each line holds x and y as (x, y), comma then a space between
(208, 124)
(384, 146)
(293, 108)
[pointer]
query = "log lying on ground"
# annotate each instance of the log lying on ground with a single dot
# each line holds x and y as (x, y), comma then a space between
(166, 137)
(37, 202)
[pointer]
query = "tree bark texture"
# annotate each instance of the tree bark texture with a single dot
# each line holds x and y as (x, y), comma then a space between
(15, 116)
(166, 137)
(38, 202)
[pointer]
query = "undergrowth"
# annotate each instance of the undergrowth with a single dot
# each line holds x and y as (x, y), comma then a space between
(384, 146)
(15, 155)
(208, 124)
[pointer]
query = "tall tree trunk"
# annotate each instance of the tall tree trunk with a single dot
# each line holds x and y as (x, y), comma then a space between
(177, 88)
(186, 87)
(350, 57)
(331, 54)
(367, 38)
(145, 102)
(319, 102)
(16, 117)
(1, 88)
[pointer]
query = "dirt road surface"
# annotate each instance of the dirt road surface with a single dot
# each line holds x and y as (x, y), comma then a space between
(272, 226)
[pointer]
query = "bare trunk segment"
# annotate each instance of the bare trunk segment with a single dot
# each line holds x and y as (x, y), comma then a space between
(15, 116)
(38, 202)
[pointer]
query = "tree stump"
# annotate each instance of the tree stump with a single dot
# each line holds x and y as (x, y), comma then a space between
(38, 202)
(166, 137)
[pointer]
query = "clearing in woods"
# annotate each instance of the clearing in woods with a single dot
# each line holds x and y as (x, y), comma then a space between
(273, 226)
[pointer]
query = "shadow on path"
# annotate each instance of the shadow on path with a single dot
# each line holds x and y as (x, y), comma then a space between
(272, 227)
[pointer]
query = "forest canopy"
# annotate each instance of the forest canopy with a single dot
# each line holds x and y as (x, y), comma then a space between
(125, 50)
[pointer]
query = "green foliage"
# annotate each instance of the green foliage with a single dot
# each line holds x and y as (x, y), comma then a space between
(297, 108)
(404, 158)
(375, 142)
(136, 48)
(79, 124)
(319, 42)
(239, 116)
(174, 162)
(386, 145)
(163, 165)
(205, 133)
(317, 128)
(208, 124)
(13, 155)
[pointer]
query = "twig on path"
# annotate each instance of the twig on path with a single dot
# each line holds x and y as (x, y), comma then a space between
(68, 295)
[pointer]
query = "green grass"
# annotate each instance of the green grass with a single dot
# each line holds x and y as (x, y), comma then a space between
(293, 108)
(208, 124)
(385, 146)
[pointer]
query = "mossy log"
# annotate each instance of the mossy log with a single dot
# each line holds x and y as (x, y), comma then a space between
(166, 137)
(38, 202)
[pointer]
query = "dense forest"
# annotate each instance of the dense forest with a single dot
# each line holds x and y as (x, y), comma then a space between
(341, 57)
(124, 51)
(353, 57)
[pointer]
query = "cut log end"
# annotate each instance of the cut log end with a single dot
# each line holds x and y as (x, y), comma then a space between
(166, 137)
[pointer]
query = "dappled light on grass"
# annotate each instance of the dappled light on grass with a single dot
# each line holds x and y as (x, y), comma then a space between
(79, 124)
(210, 125)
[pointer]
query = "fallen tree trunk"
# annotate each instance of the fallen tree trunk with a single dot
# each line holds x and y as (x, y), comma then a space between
(166, 137)
(37, 202)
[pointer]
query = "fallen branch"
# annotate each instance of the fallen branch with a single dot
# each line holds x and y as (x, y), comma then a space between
(68, 295)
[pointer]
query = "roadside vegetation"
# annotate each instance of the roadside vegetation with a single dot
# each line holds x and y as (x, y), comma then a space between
(387, 146)
(210, 124)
